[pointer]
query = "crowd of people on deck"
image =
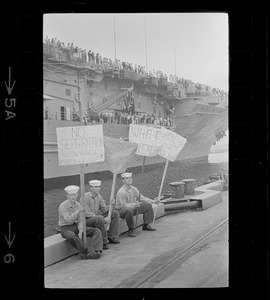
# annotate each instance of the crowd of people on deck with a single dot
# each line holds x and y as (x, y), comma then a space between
(137, 118)
(110, 117)
(97, 60)
(123, 118)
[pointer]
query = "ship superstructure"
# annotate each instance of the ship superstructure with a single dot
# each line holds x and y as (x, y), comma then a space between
(76, 89)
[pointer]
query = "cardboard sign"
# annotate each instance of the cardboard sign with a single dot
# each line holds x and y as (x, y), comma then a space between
(118, 154)
(156, 141)
(173, 143)
(80, 144)
(148, 139)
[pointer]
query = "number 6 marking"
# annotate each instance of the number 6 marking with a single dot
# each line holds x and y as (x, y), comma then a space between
(9, 258)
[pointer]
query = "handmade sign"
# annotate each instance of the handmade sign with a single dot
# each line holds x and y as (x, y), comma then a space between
(118, 154)
(148, 139)
(156, 141)
(172, 144)
(80, 144)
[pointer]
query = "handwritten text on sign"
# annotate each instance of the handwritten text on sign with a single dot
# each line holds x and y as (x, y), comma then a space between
(80, 144)
(148, 139)
(156, 141)
(172, 144)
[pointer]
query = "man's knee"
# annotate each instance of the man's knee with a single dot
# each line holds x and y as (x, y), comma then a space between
(68, 235)
(129, 211)
(149, 206)
(115, 214)
(99, 220)
(96, 232)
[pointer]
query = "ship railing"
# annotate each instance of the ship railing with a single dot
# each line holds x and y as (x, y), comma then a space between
(128, 74)
(153, 80)
(65, 55)
(61, 116)
(113, 69)
(170, 86)
(49, 115)
(162, 81)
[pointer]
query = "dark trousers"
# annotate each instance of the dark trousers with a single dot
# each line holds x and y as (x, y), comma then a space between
(128, 212)
(94, 241)
(99, 222)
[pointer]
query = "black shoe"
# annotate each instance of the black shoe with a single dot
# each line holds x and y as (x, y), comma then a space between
(83, 255)
(113, 241)
(95, 255)
(131, 233)
(105, 247)
(147, 227)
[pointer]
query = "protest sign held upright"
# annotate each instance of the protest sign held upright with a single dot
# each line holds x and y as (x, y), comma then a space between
(80, 145)
(117, 155)
(148, 139)
(172, 144)
(157, 141)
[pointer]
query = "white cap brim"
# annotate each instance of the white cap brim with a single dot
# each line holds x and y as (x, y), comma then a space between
(126, 175)
(95, 182)
(71, 189)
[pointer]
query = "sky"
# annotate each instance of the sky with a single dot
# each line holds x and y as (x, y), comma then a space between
(200, 41)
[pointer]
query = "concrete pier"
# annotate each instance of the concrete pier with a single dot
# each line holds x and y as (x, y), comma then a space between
(56, 248)
(134, 258)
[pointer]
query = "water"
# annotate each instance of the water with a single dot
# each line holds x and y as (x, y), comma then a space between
(219, 152)
(218, 157)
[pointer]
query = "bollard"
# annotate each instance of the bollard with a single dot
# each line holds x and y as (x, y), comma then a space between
(189, 186)
(214, 177)
(178, 189)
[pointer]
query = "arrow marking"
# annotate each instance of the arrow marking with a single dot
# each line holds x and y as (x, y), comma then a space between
(9, 242)
(9, 90)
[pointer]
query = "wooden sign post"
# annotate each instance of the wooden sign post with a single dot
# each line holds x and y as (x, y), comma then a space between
(143, 163)
(111, 200)
(160, 188)
(83, 201)
(137, 209)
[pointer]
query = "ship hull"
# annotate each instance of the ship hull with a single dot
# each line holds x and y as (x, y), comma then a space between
(136, 167)
(199, 129)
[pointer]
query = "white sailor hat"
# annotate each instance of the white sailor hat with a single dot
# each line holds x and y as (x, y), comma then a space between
(71, 189)
(126, 175)
(95, 182)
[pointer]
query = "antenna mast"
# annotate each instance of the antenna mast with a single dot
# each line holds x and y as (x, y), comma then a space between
(174, 47)
(145, 45)
(114, 37)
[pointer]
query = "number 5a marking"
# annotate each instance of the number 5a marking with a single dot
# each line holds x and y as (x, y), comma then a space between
(8, 258)
(10, 114)
(12, 102)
